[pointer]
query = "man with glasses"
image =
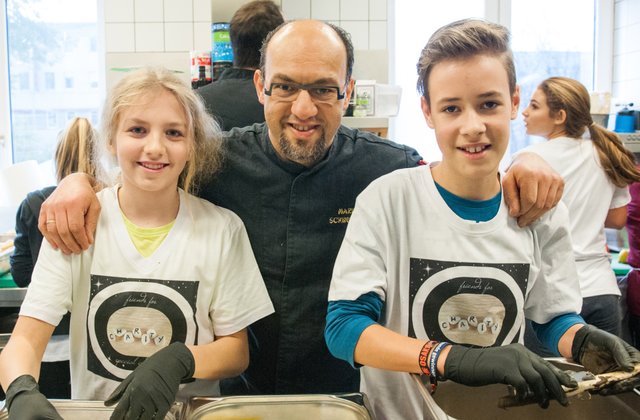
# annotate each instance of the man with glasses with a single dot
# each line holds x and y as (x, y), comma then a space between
(293, 181)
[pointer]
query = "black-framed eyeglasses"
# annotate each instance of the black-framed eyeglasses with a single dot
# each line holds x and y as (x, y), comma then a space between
(288, 92)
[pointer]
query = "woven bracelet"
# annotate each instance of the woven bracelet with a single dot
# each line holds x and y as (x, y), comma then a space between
(433, 364)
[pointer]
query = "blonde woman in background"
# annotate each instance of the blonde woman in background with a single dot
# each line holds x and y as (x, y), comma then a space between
(597, 169)
(73, 154)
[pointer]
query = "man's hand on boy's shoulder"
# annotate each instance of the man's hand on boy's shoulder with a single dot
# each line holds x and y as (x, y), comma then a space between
(531, 188)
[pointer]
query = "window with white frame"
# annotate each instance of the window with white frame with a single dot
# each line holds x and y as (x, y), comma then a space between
(52, 59)
(558, 44)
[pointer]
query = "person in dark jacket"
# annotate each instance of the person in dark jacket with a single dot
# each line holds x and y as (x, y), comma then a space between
(293, 181)
(73, 154)
(232, 97)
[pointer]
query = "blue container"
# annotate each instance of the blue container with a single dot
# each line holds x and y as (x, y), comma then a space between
(625, 123)
(220, 42)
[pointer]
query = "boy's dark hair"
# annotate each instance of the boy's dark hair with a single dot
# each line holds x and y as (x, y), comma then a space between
(463, 39)
(249, 26)
(344, 36)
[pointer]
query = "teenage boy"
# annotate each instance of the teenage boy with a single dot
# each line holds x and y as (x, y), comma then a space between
(434, 277)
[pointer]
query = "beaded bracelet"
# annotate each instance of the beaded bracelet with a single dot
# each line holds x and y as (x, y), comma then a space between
(433, 364)
(423, 359)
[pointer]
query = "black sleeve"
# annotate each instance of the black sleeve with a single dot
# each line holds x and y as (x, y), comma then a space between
(413, 157)
(22, 261)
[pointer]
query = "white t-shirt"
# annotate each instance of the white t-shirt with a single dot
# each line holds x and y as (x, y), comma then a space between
(201, 282)
(448, 279)
(589, 195)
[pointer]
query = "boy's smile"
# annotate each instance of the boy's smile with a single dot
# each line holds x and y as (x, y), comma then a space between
(471, 109)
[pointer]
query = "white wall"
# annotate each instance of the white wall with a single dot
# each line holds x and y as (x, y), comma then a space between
(365, 20)
(626, 52)
(163, 32)
(221, 11)
(139, 32)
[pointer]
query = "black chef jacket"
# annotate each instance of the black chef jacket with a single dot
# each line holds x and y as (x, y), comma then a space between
(296, 219)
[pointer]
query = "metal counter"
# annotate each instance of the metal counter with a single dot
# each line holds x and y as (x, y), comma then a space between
(92, 410)
(454, 401)
(12, 297)
(276, 407)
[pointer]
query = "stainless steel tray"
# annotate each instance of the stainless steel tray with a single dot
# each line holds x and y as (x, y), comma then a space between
(278, 407)
(92, 410)
(455, 401)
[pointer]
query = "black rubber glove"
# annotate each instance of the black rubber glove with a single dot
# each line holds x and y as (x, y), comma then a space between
(599, 351)
(25, 402)
(151, 388)
(513, 365)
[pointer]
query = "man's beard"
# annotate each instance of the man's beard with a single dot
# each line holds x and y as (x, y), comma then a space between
(303, 153)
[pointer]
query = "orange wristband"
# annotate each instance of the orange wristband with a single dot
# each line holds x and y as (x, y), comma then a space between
(423, 359)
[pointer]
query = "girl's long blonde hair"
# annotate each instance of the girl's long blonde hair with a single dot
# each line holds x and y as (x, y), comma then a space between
(573, 98)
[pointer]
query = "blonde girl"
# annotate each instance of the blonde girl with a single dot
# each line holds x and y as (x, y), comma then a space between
(167, 289)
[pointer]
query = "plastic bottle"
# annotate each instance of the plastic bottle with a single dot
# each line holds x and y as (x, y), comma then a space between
(202, 77)
(362, 103)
